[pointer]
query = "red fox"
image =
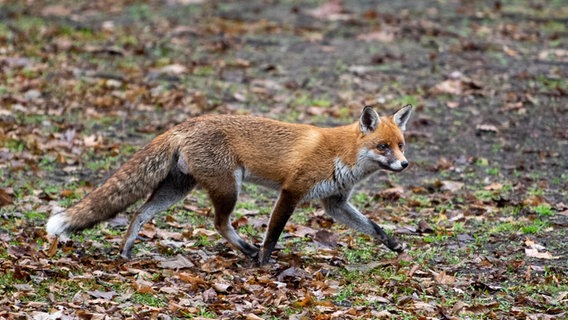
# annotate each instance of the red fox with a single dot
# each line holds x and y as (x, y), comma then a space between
(220, 152)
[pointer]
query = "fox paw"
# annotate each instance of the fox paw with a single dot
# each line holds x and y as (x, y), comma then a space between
(400, 247)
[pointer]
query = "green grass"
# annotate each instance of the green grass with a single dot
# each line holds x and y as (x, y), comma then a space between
(535, 227)
(544, 210)
(149, 299)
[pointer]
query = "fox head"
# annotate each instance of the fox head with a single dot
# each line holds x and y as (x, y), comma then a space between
(382, 138)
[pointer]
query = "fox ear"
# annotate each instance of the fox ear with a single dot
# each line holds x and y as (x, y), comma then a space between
(401, 116)
(369, 120)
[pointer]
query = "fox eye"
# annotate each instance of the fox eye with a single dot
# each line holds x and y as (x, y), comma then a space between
(383, 146)
(401, 146)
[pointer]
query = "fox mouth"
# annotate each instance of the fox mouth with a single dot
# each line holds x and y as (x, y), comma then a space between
(390, 168)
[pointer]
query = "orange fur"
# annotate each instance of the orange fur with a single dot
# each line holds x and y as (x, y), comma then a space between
(219, 152)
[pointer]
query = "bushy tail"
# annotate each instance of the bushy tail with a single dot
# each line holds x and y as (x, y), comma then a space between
(133, 181)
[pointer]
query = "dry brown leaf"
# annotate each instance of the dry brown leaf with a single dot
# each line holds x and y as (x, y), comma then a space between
(143, 286)
(106, 295)
(196, 282)
(534, 253)
(424, 306)
(57, 10)
(328, 10)
(452, 104)
(380, 36)
(173, 69)
(494, 186)
(486, 128)
(308, 300)
(148, 231)
(178, 262)
(451, 86)
(5, 198)
(554, 54)
(424, 227)
(210, 295)
(252, 316)
(326, 238)
(199, 232)
(215, 264)
(452, 186)
(443, 278)
(53, 246)
(165, 234)
(222, 287)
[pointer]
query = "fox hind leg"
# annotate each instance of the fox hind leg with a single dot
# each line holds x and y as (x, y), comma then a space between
(171, 190)
(224, 200)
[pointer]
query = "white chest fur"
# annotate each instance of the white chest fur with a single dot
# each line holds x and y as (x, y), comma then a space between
(344, 178)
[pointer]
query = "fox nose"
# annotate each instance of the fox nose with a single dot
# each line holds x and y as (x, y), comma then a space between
(404, 164)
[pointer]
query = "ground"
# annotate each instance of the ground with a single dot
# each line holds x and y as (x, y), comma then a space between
(483, 205)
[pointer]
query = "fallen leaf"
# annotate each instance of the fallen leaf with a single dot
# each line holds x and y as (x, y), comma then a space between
(326, 238)
(92, 141)
(424, 306)
(383, 314)
(452, 104)
(481, 308)
(306, 301)
(174, 69)
(509, 51)
(107, 295)
(148, 231)
(165, 234)
(452, 186)
(5, 198)
(380, 36)
(443, 278)
(554, 54)
(53, 247)
(301, 231)
(363, 267)
(330, 10)
(196, 282)
(534, 253)
(215, 264)
(494, 186)
(57, 10)
(222, 287)
(142, 286)
(210, 234)
(179, 262)
(209, 295)
(424, 227)
(393, 193)
(486, 128)
(451, 86)
(24, 287)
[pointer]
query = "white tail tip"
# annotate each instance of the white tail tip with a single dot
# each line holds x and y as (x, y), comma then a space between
(57, 224)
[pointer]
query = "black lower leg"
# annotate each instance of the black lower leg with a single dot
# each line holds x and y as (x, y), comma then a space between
(388, 241)
(282, 211)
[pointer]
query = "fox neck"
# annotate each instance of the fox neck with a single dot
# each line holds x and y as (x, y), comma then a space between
(344, 177)
(351, 164)
(345, 141)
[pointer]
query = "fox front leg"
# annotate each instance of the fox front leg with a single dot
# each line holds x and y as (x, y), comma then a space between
(345, 213)
(282, 211)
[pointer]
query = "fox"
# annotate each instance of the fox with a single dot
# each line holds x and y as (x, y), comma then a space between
(221, 152)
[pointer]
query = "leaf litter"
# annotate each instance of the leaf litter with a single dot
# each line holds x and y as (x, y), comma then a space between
(483, 205)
